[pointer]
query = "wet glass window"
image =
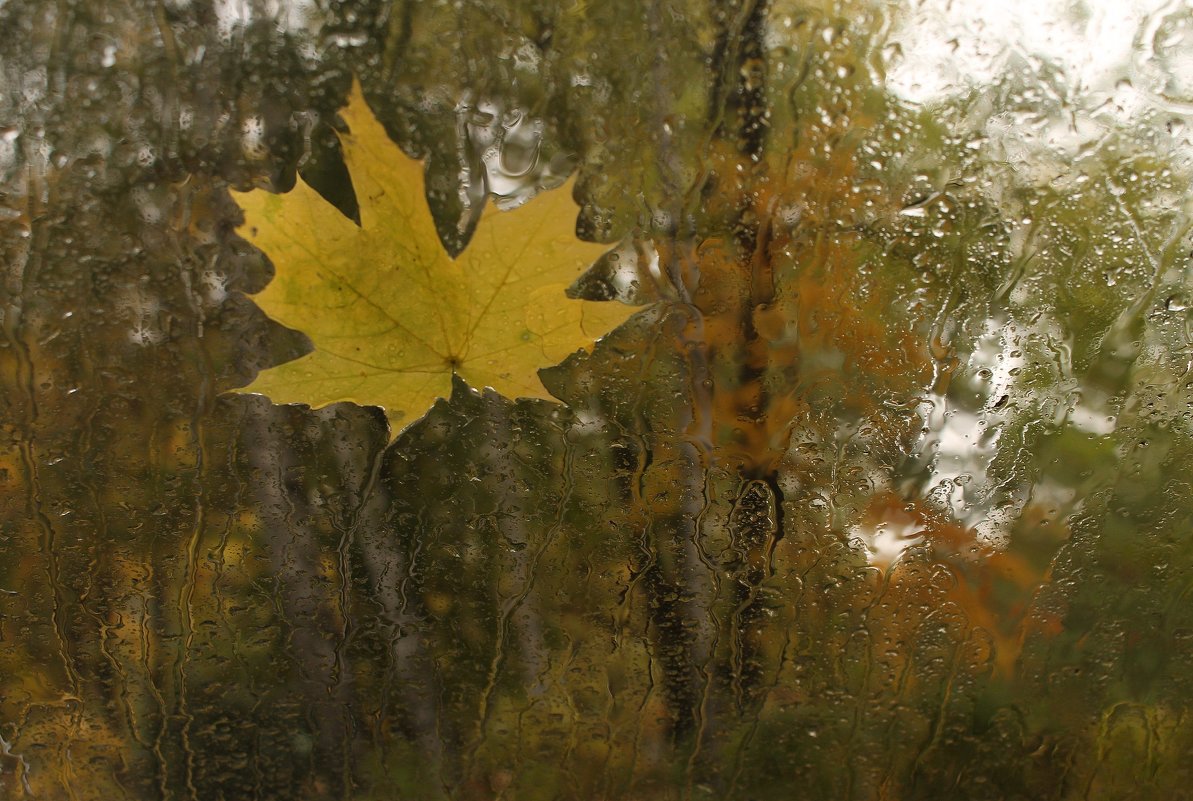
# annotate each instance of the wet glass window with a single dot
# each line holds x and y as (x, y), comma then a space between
(617, 400)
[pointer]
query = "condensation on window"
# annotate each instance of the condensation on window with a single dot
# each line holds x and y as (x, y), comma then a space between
(874, 489)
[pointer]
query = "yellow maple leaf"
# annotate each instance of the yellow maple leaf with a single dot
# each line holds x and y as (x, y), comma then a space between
(391, 315)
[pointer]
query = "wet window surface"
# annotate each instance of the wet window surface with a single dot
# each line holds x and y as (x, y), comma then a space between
(769, 399)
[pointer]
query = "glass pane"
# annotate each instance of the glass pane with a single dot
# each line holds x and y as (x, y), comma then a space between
(511, 399)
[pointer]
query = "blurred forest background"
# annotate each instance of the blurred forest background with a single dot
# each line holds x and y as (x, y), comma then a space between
(878, 496)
